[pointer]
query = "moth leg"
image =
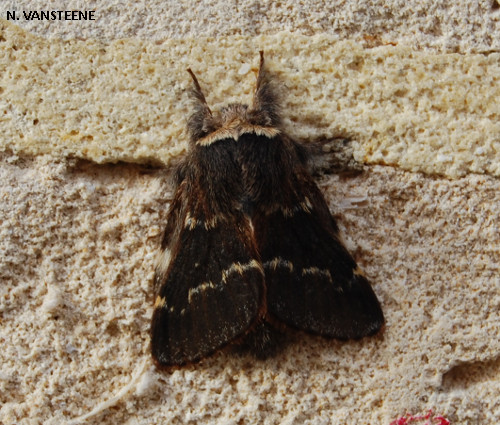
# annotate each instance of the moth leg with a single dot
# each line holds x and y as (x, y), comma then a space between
(331, 156)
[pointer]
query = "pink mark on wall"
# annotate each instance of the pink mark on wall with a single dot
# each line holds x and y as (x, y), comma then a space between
(428, 418)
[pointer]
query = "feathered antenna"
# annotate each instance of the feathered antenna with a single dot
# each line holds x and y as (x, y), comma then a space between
(197, 93)
(265, 106)
(201, 121)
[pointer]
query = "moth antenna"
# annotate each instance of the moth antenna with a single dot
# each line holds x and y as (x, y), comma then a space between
(201, 120)
(197, 92)
(260, 73)
(265, 109)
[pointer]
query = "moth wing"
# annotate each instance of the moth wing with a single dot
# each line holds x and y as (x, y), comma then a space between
(211, 293)
(209, 284)
(312, 281)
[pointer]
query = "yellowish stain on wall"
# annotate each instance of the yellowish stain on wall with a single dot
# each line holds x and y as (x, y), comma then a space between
(126, 100)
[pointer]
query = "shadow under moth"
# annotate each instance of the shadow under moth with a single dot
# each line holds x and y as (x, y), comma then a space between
(250, 245)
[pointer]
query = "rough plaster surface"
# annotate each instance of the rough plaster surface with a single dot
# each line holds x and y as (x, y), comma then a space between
(458, 26)
(126, 100)
(78, 239)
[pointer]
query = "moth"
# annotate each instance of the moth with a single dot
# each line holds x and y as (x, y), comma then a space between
(250, 242)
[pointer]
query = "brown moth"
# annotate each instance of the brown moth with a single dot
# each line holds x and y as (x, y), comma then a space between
(250, 242)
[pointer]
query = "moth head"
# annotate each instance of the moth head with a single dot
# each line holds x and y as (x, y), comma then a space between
(234, 118)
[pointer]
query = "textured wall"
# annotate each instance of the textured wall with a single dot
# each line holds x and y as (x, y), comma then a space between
(414, 84)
